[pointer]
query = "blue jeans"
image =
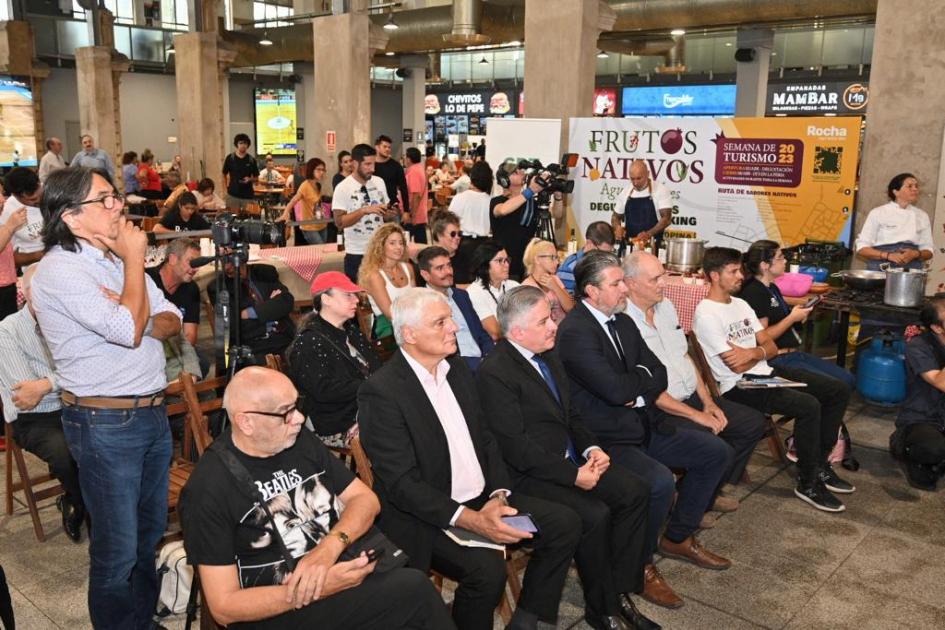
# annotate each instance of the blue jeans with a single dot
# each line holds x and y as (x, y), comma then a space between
(810, 363)
(123, 457)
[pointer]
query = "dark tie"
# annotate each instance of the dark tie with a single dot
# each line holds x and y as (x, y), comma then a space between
(612, 328)
(550, 381)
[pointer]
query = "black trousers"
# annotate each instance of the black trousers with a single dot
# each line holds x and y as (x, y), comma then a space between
(6, 604)
(400, 598)
(7, 300)
(745, 427)
(817, 409)
(924, 444)
(610, 556)
(41, 434)
(481, 576)
(352, 262)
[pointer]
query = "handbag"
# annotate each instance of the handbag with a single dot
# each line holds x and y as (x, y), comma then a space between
(390, 556)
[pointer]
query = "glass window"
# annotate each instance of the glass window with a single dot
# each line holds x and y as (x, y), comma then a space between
(263, 11)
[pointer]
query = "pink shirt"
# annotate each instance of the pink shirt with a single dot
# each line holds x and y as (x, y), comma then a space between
(417, 184)
(7, 266)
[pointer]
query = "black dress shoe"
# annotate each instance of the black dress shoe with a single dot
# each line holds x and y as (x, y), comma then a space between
(72, 517)
(635, 619)
(606, 622)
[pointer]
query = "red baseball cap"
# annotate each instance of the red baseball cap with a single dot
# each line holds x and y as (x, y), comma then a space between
(333, 280)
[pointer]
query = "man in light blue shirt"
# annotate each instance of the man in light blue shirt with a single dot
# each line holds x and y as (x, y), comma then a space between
(105, 321)
(92, 157)
(599, 235)
(30, 394)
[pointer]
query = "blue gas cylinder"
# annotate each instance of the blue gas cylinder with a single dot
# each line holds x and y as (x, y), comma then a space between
(881, 370)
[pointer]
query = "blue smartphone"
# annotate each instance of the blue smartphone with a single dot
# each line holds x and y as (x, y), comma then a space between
(521, 521)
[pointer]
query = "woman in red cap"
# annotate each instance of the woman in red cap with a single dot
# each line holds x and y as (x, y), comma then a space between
(330, 358)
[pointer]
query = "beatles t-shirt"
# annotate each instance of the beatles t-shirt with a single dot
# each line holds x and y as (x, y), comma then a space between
(223, 526)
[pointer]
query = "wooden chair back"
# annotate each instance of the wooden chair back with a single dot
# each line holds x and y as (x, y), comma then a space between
(702, 365)
(29, 485)
(275, 362)
(361, 462)
(198, 409)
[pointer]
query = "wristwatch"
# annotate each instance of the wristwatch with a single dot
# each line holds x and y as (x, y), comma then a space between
(343, 537)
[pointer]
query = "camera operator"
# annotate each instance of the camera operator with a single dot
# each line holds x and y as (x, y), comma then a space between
(514, 215)
(644, 209)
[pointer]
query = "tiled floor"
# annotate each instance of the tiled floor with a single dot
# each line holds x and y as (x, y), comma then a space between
(880, 564)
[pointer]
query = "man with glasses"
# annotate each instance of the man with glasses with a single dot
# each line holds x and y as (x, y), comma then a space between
(360, 205)
(318, 509)
(104, 322)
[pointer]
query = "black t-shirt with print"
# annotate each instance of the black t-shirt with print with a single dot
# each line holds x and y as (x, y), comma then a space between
(768, 302)
(222, 525)
(174, 221)
(186, 297)
(238, 168)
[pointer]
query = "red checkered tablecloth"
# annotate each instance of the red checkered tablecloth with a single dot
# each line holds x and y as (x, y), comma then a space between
(303, 259)
(685, 297)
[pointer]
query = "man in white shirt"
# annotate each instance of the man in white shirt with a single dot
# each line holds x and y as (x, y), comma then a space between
(736, 345)
(687, 401)
(270, 175)
(644, 209)
(24, 190)
(52, 160)
(360, 205)
(436, 465)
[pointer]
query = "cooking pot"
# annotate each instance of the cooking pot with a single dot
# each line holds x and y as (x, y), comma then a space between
(684, 254)
(904, 287)
(862, 279)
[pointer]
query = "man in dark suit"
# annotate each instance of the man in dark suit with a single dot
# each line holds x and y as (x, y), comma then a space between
(615, 381)
(527, 401)
(263, 312)
(471, 338)
(436, 466)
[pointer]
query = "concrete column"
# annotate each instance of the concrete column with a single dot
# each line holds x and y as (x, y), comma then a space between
(342, 83)
(560, 84)
(751, 77)
(201, 112)
(415, 90)
(903, 124)
(97, 79)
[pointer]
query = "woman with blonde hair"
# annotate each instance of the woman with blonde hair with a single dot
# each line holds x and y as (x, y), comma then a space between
(385, 273)
(541, 265)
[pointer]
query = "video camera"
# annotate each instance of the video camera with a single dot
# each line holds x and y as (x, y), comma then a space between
(228, 230)
(552, 178)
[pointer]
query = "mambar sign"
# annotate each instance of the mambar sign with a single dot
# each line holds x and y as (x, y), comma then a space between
(818, 98)
(730, 179)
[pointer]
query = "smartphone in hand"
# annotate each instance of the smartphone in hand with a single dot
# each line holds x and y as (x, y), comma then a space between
(522, 522)
(813, 301)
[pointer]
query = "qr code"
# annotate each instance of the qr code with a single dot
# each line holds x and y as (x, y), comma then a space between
(828, 160)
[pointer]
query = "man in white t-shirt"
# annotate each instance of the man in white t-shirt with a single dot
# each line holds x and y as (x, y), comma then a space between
(644, 209)
(360, 205)
(736, 347)
(22, 184)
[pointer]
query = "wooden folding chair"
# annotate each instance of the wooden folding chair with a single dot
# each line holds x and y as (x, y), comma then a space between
(771, 430)
(29, 485)
(515, 560)
(275, 362)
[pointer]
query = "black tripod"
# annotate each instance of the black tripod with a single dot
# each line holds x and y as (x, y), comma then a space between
(230, 353)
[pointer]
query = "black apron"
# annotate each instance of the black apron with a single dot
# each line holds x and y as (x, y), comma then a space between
(892, 248)
(639, 214)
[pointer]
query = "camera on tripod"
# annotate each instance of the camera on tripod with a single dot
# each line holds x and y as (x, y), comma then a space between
(227, 229)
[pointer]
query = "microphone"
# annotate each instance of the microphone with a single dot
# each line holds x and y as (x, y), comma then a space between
(200, 261)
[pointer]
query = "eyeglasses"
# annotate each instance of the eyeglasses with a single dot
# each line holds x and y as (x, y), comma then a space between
(107, 200)
(285, 415)
(548, 256)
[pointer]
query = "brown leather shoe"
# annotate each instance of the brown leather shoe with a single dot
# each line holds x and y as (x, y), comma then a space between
(691, 551)
(657, 591)
(724, 504)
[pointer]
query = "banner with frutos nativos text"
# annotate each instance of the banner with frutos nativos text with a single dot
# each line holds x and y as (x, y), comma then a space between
(732, 180)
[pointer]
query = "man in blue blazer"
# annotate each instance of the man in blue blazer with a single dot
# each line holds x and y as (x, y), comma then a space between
(472, 340)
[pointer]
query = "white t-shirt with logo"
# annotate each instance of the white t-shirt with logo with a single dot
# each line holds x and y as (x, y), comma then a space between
(716, 324)
(350, 196)
(29, 238)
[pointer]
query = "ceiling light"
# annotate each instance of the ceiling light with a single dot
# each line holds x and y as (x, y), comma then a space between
(389, 53)
(265, 41)
(483, 60)
(728, 43)
(677, 31)
(390, 25)
(602, 55)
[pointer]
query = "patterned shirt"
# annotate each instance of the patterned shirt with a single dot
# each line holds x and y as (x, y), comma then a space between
(25, 358)
(90, 337)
